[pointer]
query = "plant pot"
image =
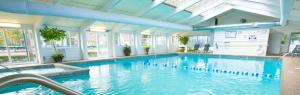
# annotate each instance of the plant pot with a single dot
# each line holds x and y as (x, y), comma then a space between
(206, 47)
(127, 52)
(58, 59)
(146, 51)
(181, 49)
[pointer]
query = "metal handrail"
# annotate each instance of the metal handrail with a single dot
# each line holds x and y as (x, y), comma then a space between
(37, 79)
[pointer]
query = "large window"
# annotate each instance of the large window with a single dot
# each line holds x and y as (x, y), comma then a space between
(97, 44)
(146, 39)
(16, 46)
(92, 44)
(201, 40)
(71, 40)
(126, 39)
(161, 40)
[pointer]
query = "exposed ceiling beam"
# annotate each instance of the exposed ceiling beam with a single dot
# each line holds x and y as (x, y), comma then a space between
(107, 8)
(269, 2)
(255, 5)
(258, 11)
(239, 26)
(257, 8)
(284, 13)
(197, 13)
(39, 8)
(177, 10)
(180, 8)
(150, 7)
(207, 17)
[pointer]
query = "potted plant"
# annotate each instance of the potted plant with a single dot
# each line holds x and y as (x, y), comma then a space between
(184, 41)
(127, 50)
(146, 48)
(51, 35)
(58, 57)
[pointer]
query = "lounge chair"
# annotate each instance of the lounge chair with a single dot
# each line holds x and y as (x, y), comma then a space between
(196, 48)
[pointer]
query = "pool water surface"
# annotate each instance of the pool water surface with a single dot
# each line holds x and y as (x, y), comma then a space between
(172, 74)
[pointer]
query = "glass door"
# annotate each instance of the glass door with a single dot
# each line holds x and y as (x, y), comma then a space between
(103, 44)
(97, 44)
(92, 46)
(16, 46)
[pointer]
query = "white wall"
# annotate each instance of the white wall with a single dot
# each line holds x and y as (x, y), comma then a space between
(241, 44)
(161, 45)
(71, 54)
(274, 42)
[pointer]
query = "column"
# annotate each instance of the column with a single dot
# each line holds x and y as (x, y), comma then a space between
(111, 43)
(83, 44)
(153, 42)
(136, 43)
(38, 44)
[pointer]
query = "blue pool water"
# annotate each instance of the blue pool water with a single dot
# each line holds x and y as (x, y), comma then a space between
(170, 75)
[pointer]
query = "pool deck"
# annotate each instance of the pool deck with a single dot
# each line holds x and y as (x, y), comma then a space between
(290, 76)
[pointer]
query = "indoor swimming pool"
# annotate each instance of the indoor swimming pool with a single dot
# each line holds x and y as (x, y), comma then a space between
(170, 74)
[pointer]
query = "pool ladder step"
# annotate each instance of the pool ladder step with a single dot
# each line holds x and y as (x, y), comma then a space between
(218, 71)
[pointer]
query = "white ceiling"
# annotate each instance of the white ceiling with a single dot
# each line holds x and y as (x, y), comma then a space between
(188, 12)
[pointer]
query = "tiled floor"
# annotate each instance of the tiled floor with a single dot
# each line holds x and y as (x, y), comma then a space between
(290, 78)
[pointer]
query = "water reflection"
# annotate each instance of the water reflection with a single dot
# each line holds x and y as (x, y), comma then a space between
(261, 66)
(99, 78)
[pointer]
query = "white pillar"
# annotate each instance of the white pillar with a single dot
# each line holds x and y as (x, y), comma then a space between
(111, 42)
(153, 42)
(136, 43)
(83, 44)
(168, 42)
(38, 44)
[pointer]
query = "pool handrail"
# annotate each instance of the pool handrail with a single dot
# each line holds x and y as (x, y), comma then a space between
(37, 79)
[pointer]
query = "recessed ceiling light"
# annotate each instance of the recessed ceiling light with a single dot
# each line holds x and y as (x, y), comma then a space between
(13, 25)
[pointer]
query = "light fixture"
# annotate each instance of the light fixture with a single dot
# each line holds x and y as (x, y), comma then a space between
(11, 25)
(98, 29)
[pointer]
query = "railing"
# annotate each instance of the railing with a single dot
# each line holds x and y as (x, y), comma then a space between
(38, 79)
